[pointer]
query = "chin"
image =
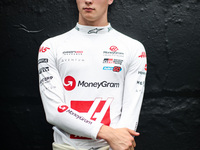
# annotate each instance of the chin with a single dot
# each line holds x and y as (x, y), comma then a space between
(90, 18)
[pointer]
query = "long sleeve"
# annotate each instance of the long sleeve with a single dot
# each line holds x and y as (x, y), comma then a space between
(57, 112)
(134, 85)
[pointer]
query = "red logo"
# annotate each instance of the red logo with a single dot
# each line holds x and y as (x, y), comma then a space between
(143, 55)
(62, 108)
(114, 48)
(145, 68)
(43, 49)
(97, 110)
(117, 69)
(69, 83)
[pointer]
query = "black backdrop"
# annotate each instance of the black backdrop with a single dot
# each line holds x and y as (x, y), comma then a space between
(170, 31)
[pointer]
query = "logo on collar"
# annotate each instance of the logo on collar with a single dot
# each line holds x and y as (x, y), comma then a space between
(96, 30)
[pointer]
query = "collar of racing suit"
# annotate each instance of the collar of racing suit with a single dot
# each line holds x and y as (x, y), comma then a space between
(93, 29)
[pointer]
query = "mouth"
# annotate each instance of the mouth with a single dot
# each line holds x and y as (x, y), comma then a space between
(88, 9)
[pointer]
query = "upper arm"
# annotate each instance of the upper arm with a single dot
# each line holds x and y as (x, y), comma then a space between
(134, 84)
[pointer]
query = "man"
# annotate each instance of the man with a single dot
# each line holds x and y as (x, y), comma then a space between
(92, 83)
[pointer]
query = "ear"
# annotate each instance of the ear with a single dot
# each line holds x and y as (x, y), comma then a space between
(110, 2)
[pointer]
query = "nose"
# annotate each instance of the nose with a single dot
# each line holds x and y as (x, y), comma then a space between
(88, 2)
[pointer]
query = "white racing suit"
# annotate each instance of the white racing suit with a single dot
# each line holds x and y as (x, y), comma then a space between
(90, 76)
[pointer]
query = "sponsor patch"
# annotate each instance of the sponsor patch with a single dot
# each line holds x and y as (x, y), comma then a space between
(97, 110)
(69, 83)
(112, 61)
(62, 108)
(114, 69)
(43, 49)
(42, 60)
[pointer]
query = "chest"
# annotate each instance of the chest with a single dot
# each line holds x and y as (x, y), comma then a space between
(92, 57)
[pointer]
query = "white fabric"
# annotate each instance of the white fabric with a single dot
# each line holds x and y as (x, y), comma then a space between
(68, 147)
(91, 76)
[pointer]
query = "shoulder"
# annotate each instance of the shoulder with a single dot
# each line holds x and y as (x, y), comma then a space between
(57, 40)
(50, 45)
(129, 43)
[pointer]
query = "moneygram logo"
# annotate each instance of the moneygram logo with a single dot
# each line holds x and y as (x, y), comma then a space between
(98, 84)
(62, 108)
(97, 110)
(69, 83)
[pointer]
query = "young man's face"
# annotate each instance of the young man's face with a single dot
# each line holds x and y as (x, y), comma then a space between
(93, 10)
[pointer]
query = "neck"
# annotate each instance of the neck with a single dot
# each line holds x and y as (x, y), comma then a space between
(93, 30)
(100, 22)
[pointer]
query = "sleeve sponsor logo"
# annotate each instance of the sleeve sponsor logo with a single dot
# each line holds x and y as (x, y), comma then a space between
(47, 88)
(42, 60)
(144, 71)
(43, 69)
(97, 110)
(145, 68)
(62, 108)
(65, 108)
(71, 112)
(141, 82)
(46, 80)
(112, 61)
(143, 55)
(141, 73)
(43, 49)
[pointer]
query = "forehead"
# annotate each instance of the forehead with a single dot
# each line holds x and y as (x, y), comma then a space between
(92, 1)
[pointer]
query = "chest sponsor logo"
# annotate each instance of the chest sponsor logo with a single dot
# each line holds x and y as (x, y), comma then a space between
(113, 52)
(114, 69)
(72, 60)
(113, 48)
(112, 61)
(73, 52)
(117, 69)
(117, 54)
(98, 84)
(97, 110)
(70, 83)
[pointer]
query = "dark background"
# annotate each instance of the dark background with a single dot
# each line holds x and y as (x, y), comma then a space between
(170, 32)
